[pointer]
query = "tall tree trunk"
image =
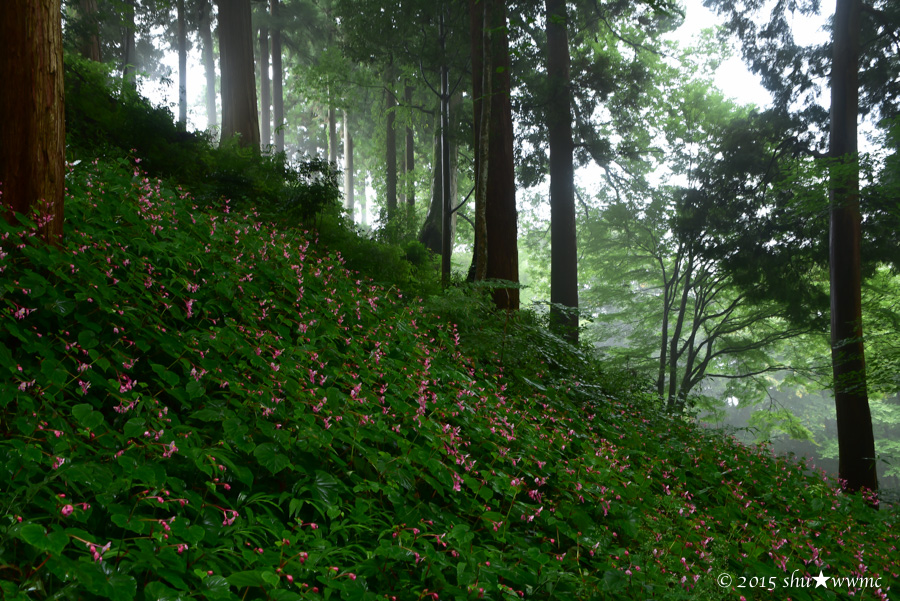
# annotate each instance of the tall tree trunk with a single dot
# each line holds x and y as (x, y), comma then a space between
(672, 401)
(410, 182)
(90, 34)
(182, 65)
(401, 178)
(265, 95)
(32, 169)
(481, 74)
(390, 142)
(209, 62)
(447, 212)
(348, 164)
(563, 248)
(856, 442)
(129, 58)
(363, 201)
(670, 286)
(431, 232)
(239, 116)
(496, 166)
(277, 81)
(332, 133)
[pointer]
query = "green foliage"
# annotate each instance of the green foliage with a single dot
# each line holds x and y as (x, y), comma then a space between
(103, 118)
(198, 404)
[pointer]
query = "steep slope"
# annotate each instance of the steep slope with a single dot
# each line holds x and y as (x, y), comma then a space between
(201, 405)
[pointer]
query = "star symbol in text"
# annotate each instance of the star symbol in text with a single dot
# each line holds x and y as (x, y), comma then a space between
(821, 580)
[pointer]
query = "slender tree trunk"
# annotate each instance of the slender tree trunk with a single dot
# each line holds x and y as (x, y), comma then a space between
(856, 442)
(32, 169)
(481, 78)
(563, 249)
(182, 65)
(672, 402)
(390, 148)
(277, 80)
(410, 182)
(363, 201)
(239, 116)
(265, 95)
(446, 239)
(669, 287)
(332, 134)
(90, 37)
(129, 59)
(209, 62)
(401, 179)
(348, 164)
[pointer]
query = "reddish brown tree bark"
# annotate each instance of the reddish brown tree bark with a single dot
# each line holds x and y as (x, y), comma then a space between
(239, 115)
(32, 114)
(495, 148)
(856, 442)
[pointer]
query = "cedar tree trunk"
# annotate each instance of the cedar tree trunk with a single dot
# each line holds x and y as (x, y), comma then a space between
(239, 116)
(410, 162)
(856, 443)
(494, 166)
(563, 250)
(32, 169)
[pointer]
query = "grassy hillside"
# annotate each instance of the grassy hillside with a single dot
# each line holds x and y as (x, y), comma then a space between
(199, 404)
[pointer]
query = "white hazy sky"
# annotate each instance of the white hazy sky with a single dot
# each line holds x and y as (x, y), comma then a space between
(732, 77)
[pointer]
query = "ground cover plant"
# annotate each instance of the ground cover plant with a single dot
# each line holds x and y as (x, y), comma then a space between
(201, 404)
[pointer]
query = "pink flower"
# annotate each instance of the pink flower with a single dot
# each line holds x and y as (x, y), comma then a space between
(67, 510)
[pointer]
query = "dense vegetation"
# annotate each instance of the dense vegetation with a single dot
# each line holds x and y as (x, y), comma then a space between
(205, 401)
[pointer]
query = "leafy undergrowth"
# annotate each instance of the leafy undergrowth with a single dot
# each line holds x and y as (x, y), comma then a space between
(201, 405)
